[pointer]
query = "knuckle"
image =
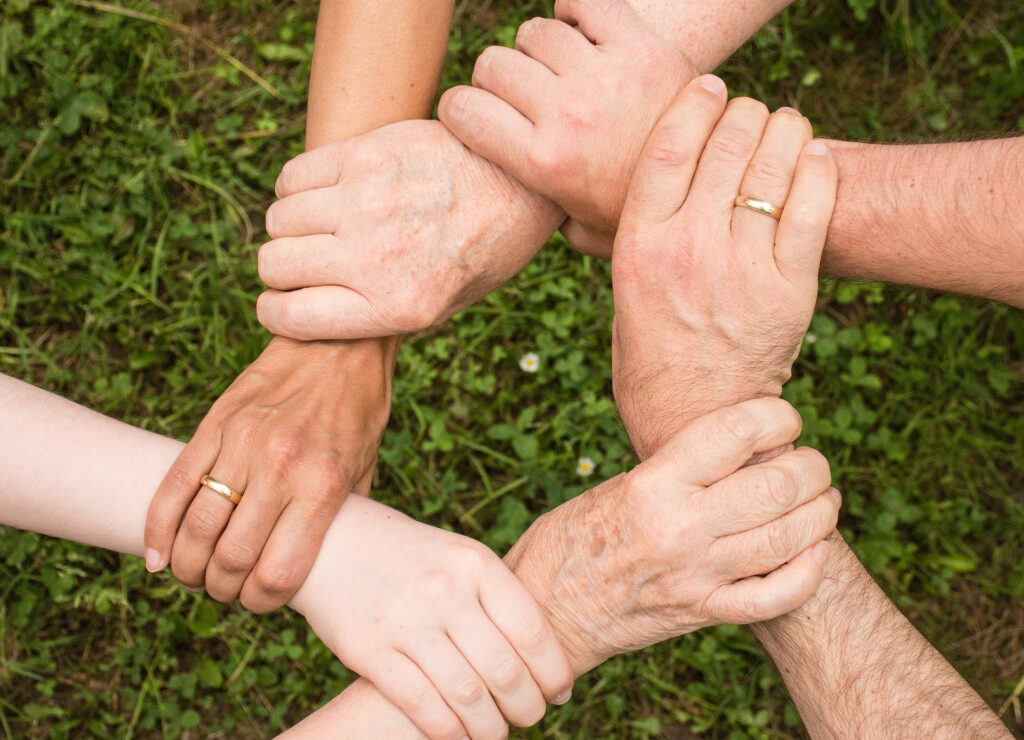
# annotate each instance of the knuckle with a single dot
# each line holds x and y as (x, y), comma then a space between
(508, 673)
(777, 485)
(528, 30)
(485, 64)
(468, 691)
(236, 558)
(768, 167)
(549, 162)
(202, 524)
(777, 545)
(533, 633)
(739, 423)
(283, 448)
(732, 142)
(668, 148)
(277, 579)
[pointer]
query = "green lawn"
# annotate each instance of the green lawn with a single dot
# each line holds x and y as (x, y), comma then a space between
(137, 153)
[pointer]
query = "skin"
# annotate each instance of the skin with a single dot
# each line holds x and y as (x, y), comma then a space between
(470, 231)
(855, 666)
(695, 568)
(562, 132)
(300, 428)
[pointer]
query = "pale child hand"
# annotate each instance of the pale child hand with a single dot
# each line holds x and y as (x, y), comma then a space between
(435, 621)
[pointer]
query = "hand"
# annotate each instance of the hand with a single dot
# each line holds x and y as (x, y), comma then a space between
(392, 232)
(567, 111)
(435, 621)
(712, 300)
(685, 540)
(295, 433)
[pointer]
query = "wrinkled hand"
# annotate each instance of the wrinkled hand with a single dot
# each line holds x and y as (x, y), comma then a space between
(712, 300)
(435, 621)
(567, 111)
(392, 232)
(682, 541)
(295, 433)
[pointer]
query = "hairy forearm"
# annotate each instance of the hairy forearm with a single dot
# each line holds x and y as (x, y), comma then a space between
(935, 215)
(373, 64)
(857, 668)
(707, 31)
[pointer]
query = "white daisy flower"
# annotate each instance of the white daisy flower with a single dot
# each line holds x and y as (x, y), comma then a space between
(584, 467)
(529, 363)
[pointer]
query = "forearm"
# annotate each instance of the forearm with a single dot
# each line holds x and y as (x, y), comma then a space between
(856, 667)
(938, 216)
(707, 31)
(373, 64)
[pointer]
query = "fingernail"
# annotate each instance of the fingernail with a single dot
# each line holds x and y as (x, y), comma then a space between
(790, 111)
(194, 590)
(712, 84)
(564, 697)
(837, 498)
(820, 552)
(816, 148)
(154, 560)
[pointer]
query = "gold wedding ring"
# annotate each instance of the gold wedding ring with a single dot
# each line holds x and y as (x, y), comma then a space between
(219, 488)
(761, 206)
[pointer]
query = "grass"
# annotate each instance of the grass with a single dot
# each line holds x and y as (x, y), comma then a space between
(137, 152)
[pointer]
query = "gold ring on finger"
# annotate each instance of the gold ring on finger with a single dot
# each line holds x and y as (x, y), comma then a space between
(222, 490)
(761, 206)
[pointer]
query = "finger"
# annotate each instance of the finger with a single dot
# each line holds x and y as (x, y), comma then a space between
(176, 491)
(459, 685)
(314, 169)
(769, 177)
(758, 494)
(518, 617)
(304, 213)
(402, 683)
(587, 240)
(363, 486)
(294, 262)
(757, 599)
(556, 45)
(801, 234)
(601, 21)
(204, 521)
(762, 550)
(287, 556)
(489, 126)
(716, 183)
(323, 312)
(718, 444)
(522, 82)
(239, 548)
(501, 669)
(662, 177)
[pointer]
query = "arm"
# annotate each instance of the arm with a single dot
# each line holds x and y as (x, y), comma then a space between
(677, 544)
(855, 666)
(873, 675)
(451, 219)
(931, 215)
(300, 428)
